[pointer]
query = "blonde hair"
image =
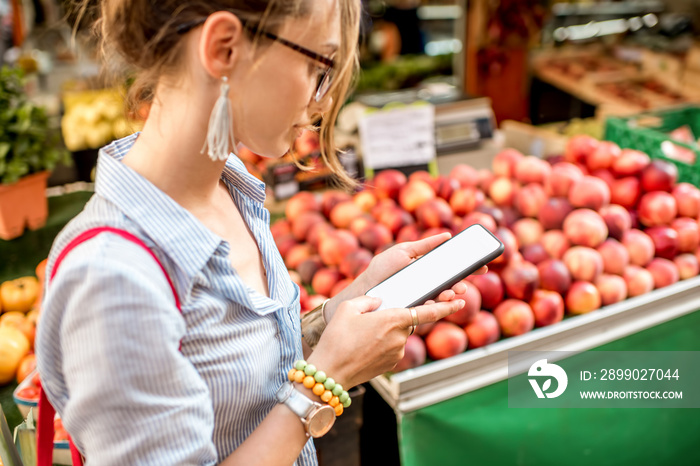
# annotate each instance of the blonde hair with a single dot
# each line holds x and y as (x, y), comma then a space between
(142, 36)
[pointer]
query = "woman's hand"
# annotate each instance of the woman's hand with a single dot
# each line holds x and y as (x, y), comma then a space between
(359, 344)
(388, 263)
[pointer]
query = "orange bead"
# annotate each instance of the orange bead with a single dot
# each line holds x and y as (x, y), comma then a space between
(326, 396)
(290, 375)
(334, 402)
(319, 389)
(309, 381)
(338, 410)
(299, 376)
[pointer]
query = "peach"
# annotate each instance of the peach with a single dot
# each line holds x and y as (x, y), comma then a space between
(520, 280)
(483, 330)
(585, 227)
(344, 213)
(435, 213)
(384, 248)
(688, 265)
(547, 307)
(563, 176)
(534, 253)
(414, 194)
(579, 148)
(527, 231)
(302, 223)
(395, 219)
(687, 199)
(383, 206)
(657, 208)
(663, 271)
(615, 256)
(408, 233)
(555, 243)
(303, 300)
(504, 162)
(605, 175)
(421, 175)
(297, 254)
(510, 243)
(365, 200)
(355, 262)
(388, 183)
(340, 286)
(665, 241)
(466, 200)
(359, 224)
(315, 300)
(285, 243)
(626, 192)
(630, 163)
(330, 199)
(617, 219)
(554, 276)
(414, 354)
(640, 247)
(603, 156)
(532, 169)
(424, 329)
(503, 190)
(302, 201)
(490, 288)
(472, 300)
(510, 216)
(584, 264)
(582, 297)
(530, 199)
(494, 212)
(445, 187)
(317, 232)
(375, 236)
(485, 179)
(478, 217)
(688, 233)
(295, 277)
(659, 175)
(280, 228)
(638, 279)
(445, 340)
(308, 268)
(465, 175)
(325, 279)
(515, 317)
(336, 245)
(612, 289)
(552, 214)
(589, 192)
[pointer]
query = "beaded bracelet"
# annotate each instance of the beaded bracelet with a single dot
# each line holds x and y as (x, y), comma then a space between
(322, 386)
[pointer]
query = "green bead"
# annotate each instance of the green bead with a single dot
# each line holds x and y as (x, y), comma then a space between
(310, 369)
(329, 383)
(347, 403)
(320, 376)
(337, 390)
(344, 397)
(300, 365)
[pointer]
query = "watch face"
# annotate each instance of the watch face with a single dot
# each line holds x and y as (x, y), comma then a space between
(321, 421)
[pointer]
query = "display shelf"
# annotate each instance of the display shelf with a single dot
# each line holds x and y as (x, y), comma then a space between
(442, 380)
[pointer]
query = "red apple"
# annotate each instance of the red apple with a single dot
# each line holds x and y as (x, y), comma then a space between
(490, 288)
(483, 330)
(435, 213)
(615, 256)
(552, 214)
(603, 156)
(687, 199)
(584, 263)
(659, 175)
(626, 192)
(663, 271)
(388, 183)
(414, 354)
(302, 201)
(547, 307)
(445, 340)
(585, 227)
(563, 176)
(555, 243)
(640, 247)
(530, 200)
(504, 162)
(465, 175)
(688, 265)
(554, 276)
(665, 241)
(579, 148)
(336, 245)
(466, 200)
(532, 169)
(612, 289)
(515, 317)
(414, 194)
(617, 219)
(355, 262)
(589, 192)
(527, 231)
(639, 280)
(472, 300)
(630, 163)
(520, 280)
(582, 297)
(688, 233)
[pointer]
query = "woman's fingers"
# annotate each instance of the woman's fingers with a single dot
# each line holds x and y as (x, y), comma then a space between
(481, 271)
(424, 246)
(460, 288)
(446, 295)
(364, 304)
(429, 312)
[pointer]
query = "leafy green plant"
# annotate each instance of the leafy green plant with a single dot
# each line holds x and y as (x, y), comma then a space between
(28, 143)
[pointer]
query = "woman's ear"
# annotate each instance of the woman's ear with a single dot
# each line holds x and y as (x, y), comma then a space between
(219, 44)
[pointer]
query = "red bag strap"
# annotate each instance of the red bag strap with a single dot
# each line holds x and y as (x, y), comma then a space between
(45, 429)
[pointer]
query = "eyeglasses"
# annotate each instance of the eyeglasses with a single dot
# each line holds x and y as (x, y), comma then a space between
(324, 81)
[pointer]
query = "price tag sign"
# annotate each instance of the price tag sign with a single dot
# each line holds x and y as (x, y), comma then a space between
(399, 136)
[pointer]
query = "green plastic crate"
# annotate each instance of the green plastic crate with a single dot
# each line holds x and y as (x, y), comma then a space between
(645, 132)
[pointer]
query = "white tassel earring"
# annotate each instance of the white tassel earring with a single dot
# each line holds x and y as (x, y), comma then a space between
(220, 132)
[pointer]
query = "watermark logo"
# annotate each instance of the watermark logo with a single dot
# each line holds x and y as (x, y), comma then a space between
(542, 369)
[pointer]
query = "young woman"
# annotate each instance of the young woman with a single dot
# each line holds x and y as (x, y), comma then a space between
(138, 381)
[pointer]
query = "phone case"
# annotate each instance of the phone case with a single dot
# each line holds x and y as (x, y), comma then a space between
(454, 280)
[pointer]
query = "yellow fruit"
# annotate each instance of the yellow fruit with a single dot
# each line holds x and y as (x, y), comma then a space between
(20, 294)
(13, 347)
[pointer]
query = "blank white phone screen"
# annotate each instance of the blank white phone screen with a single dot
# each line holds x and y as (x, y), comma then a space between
(435, 268)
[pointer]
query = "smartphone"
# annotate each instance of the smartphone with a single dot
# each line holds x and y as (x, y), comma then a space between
(438, 270)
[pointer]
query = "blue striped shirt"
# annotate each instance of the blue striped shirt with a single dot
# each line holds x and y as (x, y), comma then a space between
(108, 344)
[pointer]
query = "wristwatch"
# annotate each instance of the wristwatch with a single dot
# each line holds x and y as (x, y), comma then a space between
(317, 418)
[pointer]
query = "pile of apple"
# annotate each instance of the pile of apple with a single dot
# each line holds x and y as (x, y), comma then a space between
(581, 231)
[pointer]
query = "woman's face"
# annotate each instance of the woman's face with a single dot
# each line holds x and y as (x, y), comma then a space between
(272, 93)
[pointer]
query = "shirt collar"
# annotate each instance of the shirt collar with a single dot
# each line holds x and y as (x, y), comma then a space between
(177, 232)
